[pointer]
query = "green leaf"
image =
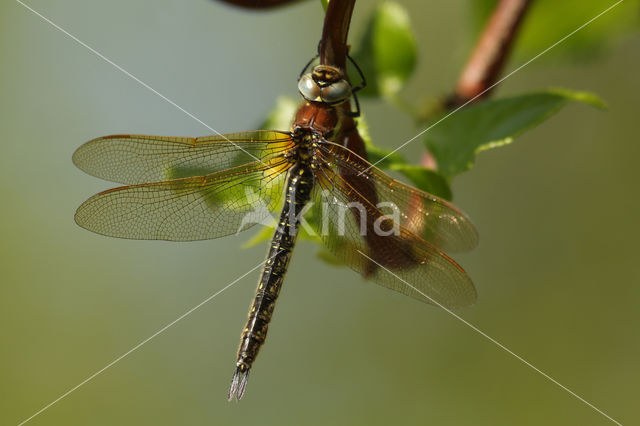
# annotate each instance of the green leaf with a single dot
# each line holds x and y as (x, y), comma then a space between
(265, 234)
(457, 140)
(381, 157)
(282, 115)
(279, 118)
(387, 52)
(425, 179)
(329, 258)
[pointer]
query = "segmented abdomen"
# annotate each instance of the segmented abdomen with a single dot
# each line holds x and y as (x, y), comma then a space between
(299, 185)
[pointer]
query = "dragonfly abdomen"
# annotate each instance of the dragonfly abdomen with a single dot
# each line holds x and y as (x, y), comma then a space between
(298, 193)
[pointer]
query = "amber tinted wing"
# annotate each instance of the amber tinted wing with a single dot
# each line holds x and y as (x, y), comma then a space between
(187, 209)
(369, 241)
(429, 217)
(133, 159)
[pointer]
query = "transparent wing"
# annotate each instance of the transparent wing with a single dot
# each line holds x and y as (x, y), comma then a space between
(187, 209)
(429, 217)
(371, 243)
(133, 159)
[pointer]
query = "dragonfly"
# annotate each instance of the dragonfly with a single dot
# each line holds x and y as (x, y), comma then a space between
(186, 189)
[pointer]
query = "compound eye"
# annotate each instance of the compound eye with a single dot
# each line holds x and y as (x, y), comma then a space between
(308, 88)
(336, 92)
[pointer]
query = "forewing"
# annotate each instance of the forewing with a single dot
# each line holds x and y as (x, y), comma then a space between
(364, 238)
(429, 217)
(134, 159)
(187, 209)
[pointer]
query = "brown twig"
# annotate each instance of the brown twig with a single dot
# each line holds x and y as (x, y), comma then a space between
(333, 44)
(490, 53)
(258, 4)
(487, 59)
(333, 49)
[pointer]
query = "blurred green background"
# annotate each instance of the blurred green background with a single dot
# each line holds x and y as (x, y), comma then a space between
(558, 212)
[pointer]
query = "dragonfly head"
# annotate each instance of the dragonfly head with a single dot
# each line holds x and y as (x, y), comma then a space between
(325, 84)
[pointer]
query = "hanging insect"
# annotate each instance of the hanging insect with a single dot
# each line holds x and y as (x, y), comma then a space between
(185, 189)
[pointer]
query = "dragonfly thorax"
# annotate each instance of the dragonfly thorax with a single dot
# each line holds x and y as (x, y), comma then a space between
(306, 144)
(324, 84)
